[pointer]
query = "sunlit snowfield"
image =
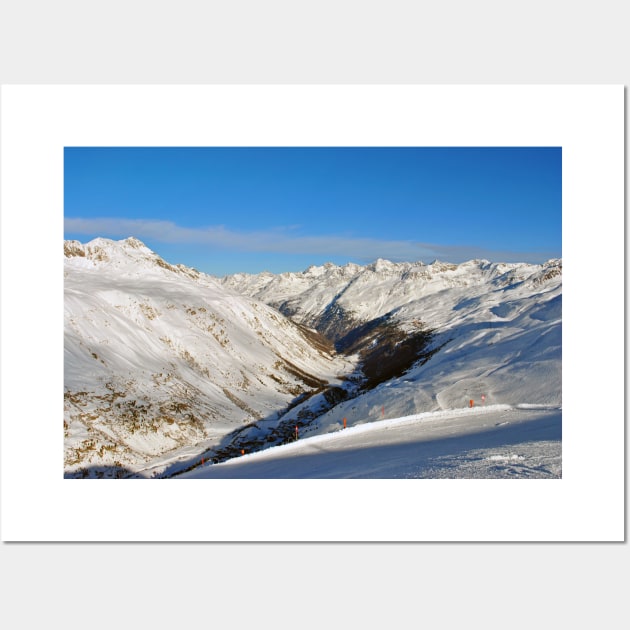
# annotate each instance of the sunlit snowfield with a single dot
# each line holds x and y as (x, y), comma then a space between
(498, 441)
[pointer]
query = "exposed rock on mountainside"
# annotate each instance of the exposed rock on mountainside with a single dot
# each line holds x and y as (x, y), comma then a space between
(160, 358)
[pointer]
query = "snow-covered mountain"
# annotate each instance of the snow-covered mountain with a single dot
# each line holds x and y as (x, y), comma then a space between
(493, 335)
(487, 332)
(335, 299)
(167, 369)
(161, 360)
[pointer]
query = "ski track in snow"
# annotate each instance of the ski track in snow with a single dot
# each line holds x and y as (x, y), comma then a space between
(497, 441)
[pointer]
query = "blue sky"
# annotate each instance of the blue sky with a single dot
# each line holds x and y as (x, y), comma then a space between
(231, 209)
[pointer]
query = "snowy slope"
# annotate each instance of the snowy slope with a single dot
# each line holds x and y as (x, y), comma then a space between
(498, 441)
(160, 358)
(364, 293)
(498, 328)
(496, 340)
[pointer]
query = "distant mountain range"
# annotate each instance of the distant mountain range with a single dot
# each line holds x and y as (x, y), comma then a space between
(166, 366)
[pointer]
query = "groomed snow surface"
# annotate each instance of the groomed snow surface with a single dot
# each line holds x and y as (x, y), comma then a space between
(496, 441)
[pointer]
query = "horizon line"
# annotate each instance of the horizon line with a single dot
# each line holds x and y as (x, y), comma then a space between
(285, 240)
(372, 261)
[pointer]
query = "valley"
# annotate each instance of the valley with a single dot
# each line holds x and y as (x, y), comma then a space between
(168, 369)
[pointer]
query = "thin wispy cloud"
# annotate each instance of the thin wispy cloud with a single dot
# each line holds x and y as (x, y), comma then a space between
(284, 240)
(273, 240)
(462, 253)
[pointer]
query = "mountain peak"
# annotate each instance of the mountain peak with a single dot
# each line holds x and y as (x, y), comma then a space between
(128, 251)
(381, 264)
(132, 241)
(315, 270)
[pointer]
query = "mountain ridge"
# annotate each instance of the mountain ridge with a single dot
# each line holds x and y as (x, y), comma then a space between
(480, 328)
(363, 293)
(166, 366)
